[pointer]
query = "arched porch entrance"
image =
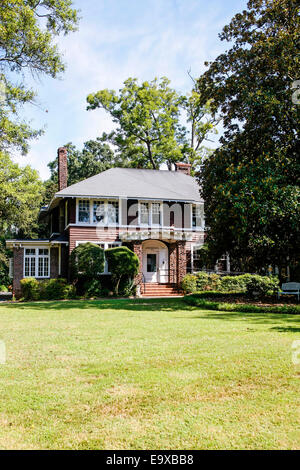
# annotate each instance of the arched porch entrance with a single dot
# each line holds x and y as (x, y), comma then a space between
(155, 261)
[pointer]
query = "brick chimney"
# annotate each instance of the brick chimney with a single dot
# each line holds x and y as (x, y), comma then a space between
(62, 168)
(183, 168)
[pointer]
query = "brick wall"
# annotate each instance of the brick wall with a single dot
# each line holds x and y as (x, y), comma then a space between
(138, 250)
(54, 263)
(18, 270)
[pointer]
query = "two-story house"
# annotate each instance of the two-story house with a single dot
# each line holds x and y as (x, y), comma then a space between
(157, 213)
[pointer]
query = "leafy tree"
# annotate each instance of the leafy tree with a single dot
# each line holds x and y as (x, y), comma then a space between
(122, 263)
(251, 183)
(21, 192)
(27, 43)
(148, 120)
(87, 261)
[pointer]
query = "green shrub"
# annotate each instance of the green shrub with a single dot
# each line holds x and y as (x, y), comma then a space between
(198, 301)
(262, 285)
(3, 289)
(56, 289)
(30, 288)
(189, 284)
(123, 264)
(234, 283)
(92, 288)
(202, 280)
(87, 261)
(50, 289)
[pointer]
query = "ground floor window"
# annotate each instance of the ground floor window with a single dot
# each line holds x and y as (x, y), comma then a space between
(37, 262)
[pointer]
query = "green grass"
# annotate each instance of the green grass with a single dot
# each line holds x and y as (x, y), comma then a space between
(146, 374)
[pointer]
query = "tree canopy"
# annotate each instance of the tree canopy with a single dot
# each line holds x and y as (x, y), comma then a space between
(150, 123)
(27, 44)
(251, 183)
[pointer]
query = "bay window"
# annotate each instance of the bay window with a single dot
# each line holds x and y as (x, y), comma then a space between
(36, 262)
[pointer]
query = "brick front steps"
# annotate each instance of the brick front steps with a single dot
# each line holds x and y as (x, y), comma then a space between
(160, 290)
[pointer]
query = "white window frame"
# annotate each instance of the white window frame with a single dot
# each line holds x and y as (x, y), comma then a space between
(195, 207)
(36, 258)
(91, 212)
(105, 247)
(150, 214)
(194, 247)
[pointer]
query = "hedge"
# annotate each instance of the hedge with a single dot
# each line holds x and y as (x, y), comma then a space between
(251, 284)
(198, 300)
(50, 289)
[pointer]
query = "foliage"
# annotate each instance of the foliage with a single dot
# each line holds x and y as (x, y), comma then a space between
(95, 157)
(149, 119)
(50, 289)
(3, 288)
(30, 288)
(92, 288)
(55, 289)
(251, 183)
(234, 283)
(122, 263)
(198, 301)
(87, 261)
(21, 192)
(189, 283)
(202, 281)
(262, 285)
(33, 50)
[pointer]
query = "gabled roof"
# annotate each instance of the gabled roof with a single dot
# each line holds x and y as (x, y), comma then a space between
(137, 184)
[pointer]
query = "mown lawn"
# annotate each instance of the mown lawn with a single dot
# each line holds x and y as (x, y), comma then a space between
(146, 374)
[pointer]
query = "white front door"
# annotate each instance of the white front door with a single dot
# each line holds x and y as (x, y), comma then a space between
(150, 265)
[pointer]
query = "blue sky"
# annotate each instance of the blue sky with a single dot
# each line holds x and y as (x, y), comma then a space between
(118, 39)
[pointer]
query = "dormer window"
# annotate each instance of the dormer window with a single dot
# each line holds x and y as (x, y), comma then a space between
(84, 211)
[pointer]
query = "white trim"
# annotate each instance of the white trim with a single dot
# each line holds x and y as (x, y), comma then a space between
(91, 222)
(36, 256)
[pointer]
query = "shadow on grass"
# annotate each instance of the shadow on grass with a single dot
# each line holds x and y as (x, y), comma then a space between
(107, 304)
(290, 323)
(259, 318)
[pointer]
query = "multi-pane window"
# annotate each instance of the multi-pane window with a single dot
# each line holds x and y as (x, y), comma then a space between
(84, 210)
(36, 262)
(112, 212)
(99, 212)
(106, 212)
(155, 209)
(197, 216)
(43, 262)
(197, 258)
(144, 213)
(30, 262)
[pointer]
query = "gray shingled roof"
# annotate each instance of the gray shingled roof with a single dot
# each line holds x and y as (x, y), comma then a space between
(137, 184)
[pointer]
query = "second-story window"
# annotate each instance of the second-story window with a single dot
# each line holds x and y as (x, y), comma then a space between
(197, 216)
(112, 212)
(144, 209)
(99, 212)
(106, 212)
(155, 213)
(84, 211)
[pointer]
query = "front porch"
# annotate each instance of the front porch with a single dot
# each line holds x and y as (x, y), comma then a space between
(162, 266)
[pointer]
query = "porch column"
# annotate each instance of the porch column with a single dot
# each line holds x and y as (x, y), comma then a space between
(173, 263)
(138, 250)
